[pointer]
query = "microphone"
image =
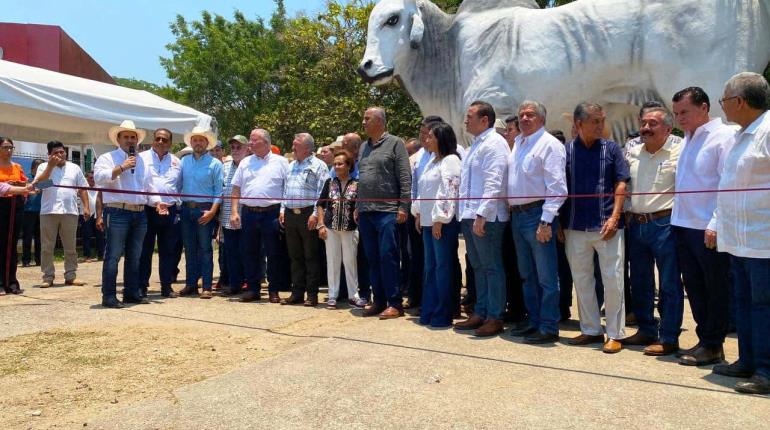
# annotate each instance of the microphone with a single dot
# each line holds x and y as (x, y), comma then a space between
(132, 153)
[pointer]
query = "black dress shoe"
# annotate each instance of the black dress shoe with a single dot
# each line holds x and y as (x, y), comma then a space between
(15, 289)
(639, 339)
(523, 329)
(113, 303)
(703, 356)
(136, 300)
(539, 338)
(230, 291)
(734, 370)
(250, 296)
(757, 384)
(189, 291)
(294, 299)
(688, 351)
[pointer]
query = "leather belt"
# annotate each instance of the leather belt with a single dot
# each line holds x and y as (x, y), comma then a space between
(523, 208)
(260, 209)
(299, 211)
(645, 218)
(197, 204)
(125, 206)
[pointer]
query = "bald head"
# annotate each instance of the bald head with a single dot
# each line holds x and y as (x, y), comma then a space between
(375, 122)
(351, 142)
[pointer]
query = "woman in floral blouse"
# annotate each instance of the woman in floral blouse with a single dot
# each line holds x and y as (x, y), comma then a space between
(440, 185)
(338, 228)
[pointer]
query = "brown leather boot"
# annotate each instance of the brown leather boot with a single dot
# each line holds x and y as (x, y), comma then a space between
(491, 327)
(471, 323)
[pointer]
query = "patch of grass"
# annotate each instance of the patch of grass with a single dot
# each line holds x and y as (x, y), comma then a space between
(52, 347)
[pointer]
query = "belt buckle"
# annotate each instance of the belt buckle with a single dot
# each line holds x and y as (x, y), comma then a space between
(296, 211)
(642, 218)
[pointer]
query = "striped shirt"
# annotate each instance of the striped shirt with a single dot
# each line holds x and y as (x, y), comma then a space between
(594, 170)
(226, 209)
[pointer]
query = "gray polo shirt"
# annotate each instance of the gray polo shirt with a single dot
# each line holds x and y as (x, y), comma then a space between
(384, 173)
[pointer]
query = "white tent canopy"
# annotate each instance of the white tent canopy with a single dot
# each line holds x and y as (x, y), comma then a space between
(39, 105)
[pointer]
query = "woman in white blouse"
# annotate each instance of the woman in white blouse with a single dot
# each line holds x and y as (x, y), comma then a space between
(440, 185)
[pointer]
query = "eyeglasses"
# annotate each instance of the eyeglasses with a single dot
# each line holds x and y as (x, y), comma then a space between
(724, 99)
(161, 140)
(6, 148)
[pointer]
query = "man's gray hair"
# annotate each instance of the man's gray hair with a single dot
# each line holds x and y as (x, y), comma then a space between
(539, 108)
(379, 113)
(307, 138)
(668, 119)
(264, 133)
(752, 87)
(584, 109)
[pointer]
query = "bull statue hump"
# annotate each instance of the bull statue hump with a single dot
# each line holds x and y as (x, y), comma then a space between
(618, 53)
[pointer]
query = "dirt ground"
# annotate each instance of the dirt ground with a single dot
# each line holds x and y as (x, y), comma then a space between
(66, 361)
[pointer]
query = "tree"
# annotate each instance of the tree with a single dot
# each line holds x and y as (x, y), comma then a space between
(166, 91)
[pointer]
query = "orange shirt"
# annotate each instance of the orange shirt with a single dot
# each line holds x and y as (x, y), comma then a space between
(12, 173)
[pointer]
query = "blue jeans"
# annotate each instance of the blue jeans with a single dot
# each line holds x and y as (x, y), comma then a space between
(167, 231)
(260, 229)
(649, 245)
(438, 275)
(487, 261)
(751, 277)
(124, 234)
(538, 266)
(198, 252)
(378, 234)
(234, 258)
(705, 276)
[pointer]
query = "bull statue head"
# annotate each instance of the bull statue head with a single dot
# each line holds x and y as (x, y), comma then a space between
(395, 27)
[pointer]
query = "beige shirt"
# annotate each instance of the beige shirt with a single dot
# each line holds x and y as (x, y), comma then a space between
(652, 173)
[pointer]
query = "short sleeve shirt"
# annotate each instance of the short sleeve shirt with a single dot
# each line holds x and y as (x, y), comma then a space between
(594, 170)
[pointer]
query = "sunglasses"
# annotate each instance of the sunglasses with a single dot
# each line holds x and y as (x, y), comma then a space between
(162, 139)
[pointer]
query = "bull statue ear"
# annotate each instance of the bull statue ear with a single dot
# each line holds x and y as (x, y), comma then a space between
(418, 28)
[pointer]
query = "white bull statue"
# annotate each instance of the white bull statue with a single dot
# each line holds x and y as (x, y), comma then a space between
(619, 53)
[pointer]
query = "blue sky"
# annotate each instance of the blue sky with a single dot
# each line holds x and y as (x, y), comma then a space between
(127, 37)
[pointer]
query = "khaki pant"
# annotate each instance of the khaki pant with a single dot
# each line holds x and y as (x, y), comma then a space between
(65, 226)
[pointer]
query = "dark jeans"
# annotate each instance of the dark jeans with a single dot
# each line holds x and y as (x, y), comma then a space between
(487, 261)
(30, 233)
(198, 252)
(258, 229)
(752, 298)
(167, 229)
(416, 262)
(93, 239)
(124, 234)
(704, 272)
(234, 257)
(440, 255)
(303, 246)
(538, 266)
(11, 213)
(653, 244)
(514, 283)
(378, 234)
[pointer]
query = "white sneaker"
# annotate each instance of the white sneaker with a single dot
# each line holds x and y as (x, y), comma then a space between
(360, 303)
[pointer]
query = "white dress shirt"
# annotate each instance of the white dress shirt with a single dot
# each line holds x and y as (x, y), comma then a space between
(537, 167)
(743, 217)
(439, 180)
(61, 201)
(165, 174)
(700, 166)
(139, 180)
(262, 179)
(483, 181)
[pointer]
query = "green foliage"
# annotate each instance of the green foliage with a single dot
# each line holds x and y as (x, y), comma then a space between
(166, 91)
(297, 74)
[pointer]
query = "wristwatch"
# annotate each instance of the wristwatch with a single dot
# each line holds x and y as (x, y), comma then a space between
(544, 224)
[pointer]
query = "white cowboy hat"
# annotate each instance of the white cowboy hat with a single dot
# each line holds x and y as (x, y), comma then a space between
(126, 125)
(200, 131)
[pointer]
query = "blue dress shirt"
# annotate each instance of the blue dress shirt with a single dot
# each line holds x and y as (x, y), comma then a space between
(203, 176)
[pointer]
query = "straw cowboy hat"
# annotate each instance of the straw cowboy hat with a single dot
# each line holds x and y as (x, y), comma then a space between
(126, 125)
(200, 131)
